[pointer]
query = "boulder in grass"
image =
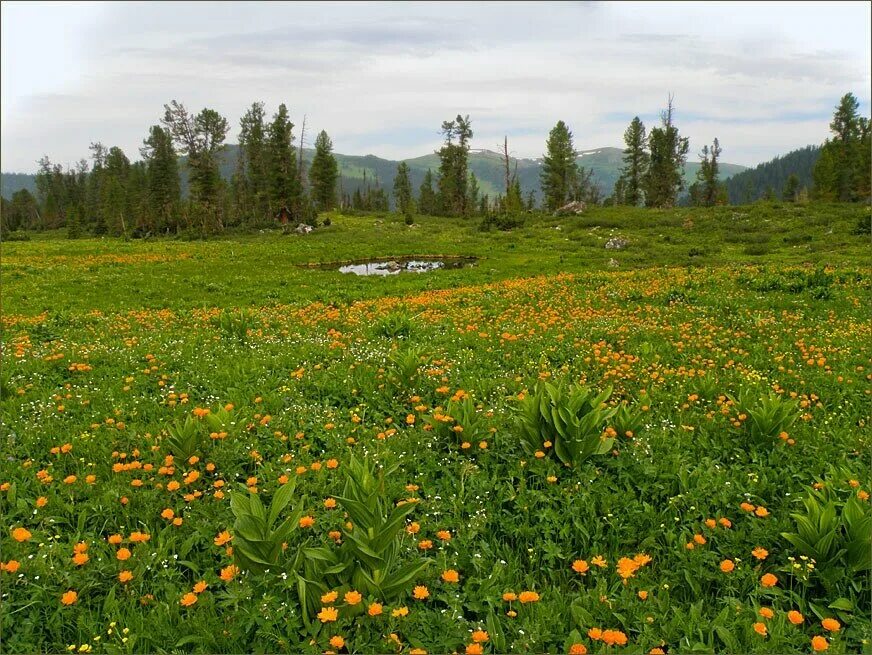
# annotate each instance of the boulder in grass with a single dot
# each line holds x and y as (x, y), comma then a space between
(617, 243)
(302, 228)
(571, 209)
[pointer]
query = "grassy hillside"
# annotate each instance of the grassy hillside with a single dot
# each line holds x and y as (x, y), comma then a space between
(488, 168)
(263, 268)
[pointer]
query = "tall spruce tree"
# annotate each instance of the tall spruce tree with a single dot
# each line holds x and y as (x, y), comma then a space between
(427, 199)
(454, 167)
(201, 138)
(250, 180)
(665, 179)
(282, 175)
(706, 191)
(164, 192)
(403, 189)
(842, 170)
(635, 168)
(559, 176)
(323, 173)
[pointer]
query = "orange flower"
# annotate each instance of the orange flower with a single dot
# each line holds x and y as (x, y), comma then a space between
(229, 572)
(595, 634)
(698, 538)
(115, 539)
(819, 643)
(425, 544)
(480, 636)
(748, 507)
(21, 534)
(125, 576)
(168, 514)
(444, 535)
(42, 501)
(307, 522)
(578, 649)
(760, 553)
(80, 559)
(353, 597)
(337, 641)
(795, 617)
(328, 614)
(769, 580)
(69, 597)
(766, 612)
(420, 592)
(474, 649)
(831, 625)
(188, 599)
(599, 561)
(123, 554)
(727, 566)
(510, 596)
(374, 609)
(222, 538)
(400, 611)
(450, 576)
(612, 637)
(11, 566)
(200, 587)
(329, 503)
(528, 597)
(580, 566)
(761, 511)
(760, 629)
(642, 594)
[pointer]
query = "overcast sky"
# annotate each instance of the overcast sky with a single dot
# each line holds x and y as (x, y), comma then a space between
(380, 78)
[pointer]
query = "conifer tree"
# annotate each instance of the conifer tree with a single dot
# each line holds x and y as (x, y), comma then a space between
(323, 173)
(403, 189)
(427, 200)
(665, 179)
(163, 188)
(559, 176)
(635, 168)
(791, 188)
(282, 178)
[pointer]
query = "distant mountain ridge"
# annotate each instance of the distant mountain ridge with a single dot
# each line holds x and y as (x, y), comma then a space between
(488, 167)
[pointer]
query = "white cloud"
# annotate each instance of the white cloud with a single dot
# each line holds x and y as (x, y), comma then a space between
(381, 77)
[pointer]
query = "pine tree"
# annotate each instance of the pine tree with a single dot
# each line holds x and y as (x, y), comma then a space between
(636, 161)
(201, 138)
(472, 192)
(559, 176)
(842, 171)
(282, 177)
(403, 189)
(791, 188)
(251, 182)
(706, 190)
(323, 173)
(163, 188)
(453, 167)
(665, 180)
(427, 200)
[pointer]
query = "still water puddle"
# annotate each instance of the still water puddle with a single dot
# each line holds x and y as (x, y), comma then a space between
(395, 266)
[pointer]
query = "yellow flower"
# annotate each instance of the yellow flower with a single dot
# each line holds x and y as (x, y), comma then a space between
(400, 611)
(352, 597)
(375, 609)
(328, 614)
(450, 576)
(528, 597)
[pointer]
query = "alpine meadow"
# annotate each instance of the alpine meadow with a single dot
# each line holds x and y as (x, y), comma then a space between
(581, 363)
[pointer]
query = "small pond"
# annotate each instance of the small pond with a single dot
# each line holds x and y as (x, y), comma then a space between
(402, 265)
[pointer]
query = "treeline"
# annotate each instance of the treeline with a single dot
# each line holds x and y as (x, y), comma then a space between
(772, 179)
(108, 194)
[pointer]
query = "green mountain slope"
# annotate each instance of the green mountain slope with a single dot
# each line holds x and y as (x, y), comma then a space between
(487, 166)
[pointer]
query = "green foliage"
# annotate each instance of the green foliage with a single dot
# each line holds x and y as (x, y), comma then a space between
(571, 417)
(323, 173)
(403, 189)
(369, 559)
(559, 176)
(833, 532)
(184, 439)
(258, 542)
(767, 417)
(460, 422)
(235, 325)
(664, 180)
(628, 188)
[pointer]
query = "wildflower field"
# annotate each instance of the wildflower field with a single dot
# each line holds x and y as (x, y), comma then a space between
(209, 448)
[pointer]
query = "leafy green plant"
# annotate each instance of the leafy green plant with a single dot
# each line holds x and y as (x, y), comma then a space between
(767, 417)
(235, 326)
(829, 532)
(183, 440)
(570, 417)
(368, 559)
(406, 363)
(628, 420)
(257, 541)
(395, 326)
(460, 421)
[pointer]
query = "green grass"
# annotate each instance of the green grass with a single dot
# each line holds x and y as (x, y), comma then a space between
(110, 346)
